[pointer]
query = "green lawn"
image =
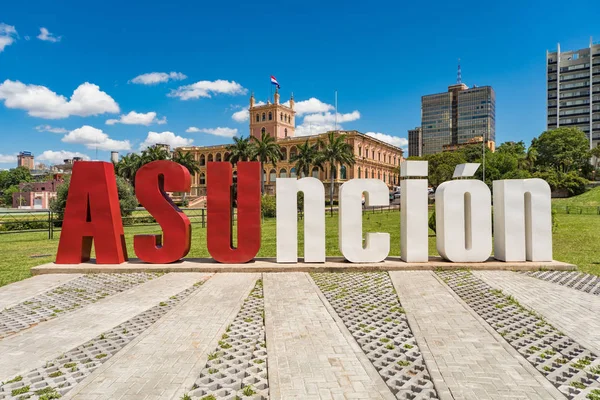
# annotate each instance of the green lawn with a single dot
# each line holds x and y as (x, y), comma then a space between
(576, 241)
(591, 198)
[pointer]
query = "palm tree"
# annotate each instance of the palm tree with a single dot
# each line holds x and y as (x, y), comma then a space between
(531, 158)
(154, 153)
(187, 160)
(335, 151)
(306, 158)
(240, 150)
(265, 149)
(128, 166)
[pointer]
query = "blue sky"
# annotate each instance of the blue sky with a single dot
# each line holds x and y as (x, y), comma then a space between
(380, 57)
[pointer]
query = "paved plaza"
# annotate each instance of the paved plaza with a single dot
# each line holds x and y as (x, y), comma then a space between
(457, 334)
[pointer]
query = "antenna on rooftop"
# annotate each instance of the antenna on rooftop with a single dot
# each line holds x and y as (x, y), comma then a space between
(458, 75)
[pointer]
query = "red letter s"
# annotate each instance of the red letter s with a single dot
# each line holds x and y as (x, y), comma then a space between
(152, 181)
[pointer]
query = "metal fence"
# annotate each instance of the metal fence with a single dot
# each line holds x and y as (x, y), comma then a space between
(28, 221)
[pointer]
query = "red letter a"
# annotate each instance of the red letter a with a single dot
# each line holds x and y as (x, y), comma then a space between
(151, 182)
(92, 214)
(219, 233)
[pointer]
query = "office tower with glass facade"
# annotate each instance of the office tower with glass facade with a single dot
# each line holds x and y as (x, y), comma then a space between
(457, 116)
(415, 142)
(573, 88)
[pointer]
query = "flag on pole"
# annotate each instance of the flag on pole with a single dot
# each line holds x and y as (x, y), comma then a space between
(274, 81)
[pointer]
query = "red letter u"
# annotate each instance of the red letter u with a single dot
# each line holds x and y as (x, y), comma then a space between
(220, 239)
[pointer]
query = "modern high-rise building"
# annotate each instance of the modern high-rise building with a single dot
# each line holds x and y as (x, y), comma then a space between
(415, 142)
(457, 116)
(573, 90)
(25, 159)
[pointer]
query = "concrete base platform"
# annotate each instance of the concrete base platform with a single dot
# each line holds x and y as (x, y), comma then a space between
(333, 264)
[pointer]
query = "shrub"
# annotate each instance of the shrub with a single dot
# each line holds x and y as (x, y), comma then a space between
(432, 221)
(268, 206)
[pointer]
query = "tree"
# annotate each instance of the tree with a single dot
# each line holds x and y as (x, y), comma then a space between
(187, 160)
(128, 166)
(265, 150)
(240, 150)
(442, 165)
(564, 149)
(306, 158)
(154, 153)
(7, 195)
(596, 154)
(14, 177)
(514, 148)
(127, 199)
(335, 151)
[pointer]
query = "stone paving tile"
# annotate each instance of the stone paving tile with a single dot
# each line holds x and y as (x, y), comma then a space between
(309, 356)
(17, 292)
(574, 279)
(31, 348)
(168, 357)
(575, 313)
(466, 360)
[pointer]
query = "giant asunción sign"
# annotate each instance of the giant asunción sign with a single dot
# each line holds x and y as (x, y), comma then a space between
(522, 216)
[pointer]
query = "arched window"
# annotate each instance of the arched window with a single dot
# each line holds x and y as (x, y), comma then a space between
(366, 173)
(281, 117)
(359, 171)
(262, 131)
(218, 157)
(282, 173)
(373, 154)
(202, 161)
(394, 159)
(293, 173)
(366, 153)
(359, 151)
(272, 176)
(379, 156)
(264, 176)
(378, 174)
(384, 176)
(210, 158)
(264, 116)
(226, 157)
(257, 117)
(270, 115)
(343, 172)
(293, 152)
(315, 172)
(202, 179)
(285, 132)
(283, 154)
(334, 170)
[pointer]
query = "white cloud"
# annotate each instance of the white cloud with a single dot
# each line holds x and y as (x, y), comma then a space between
(8, 34)
(94, 138)
(314, 129)
(165, 138)
(393, 140)
(134, 118)
(329, 117)
(243, 115)
(207, 89)
(5, 159)
(39, 101)
(48, 128)
(152, 78)
(58, 157)
(46, 36)
(224, 132)
(310, 106)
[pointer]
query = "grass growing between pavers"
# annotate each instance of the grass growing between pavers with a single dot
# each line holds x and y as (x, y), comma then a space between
(575, 241)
